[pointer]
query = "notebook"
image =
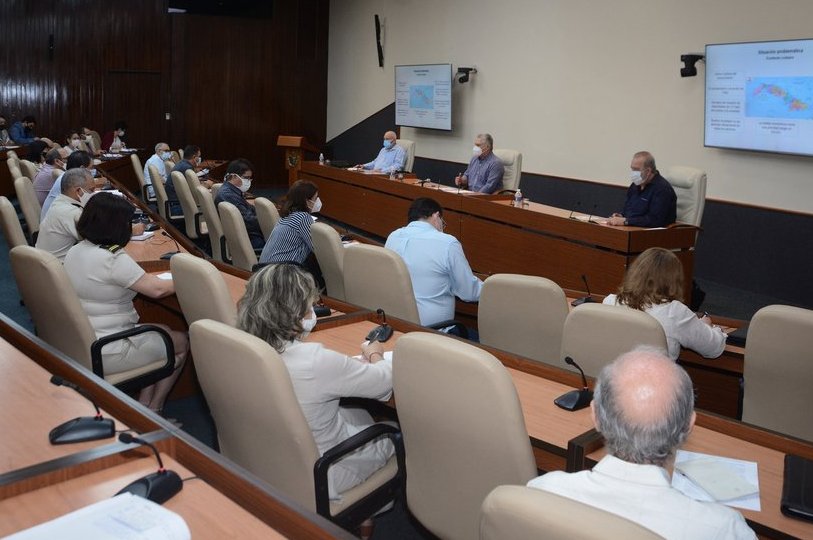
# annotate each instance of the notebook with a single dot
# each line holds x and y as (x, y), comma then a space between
(797, 488)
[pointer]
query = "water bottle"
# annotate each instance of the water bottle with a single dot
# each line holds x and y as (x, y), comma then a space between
(321, 159)
(518, 199)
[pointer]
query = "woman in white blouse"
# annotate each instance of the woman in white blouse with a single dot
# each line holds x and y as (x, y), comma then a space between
(654, 284)
(278, 308)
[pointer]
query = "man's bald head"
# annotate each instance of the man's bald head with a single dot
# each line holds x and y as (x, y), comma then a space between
(644, 406)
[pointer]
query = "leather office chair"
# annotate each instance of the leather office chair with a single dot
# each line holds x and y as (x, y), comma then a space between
(690, 187)
(14, 170)
(29, 169)
(139, 172)
(12, 157)
(519, 512)
(10, 223)
(46, 290)
(376, 277)
(30, 206)
(524, 315)
(213, 225)
(596, 334)
(261, 427)
(409, 148)
(267, 215)
(97, 141)
(195, 227)
(169, 165)
(778, 371)
(234, 229)
(193, 275)
(177, 156)
(216, 189)
(512, 162)
(329, 252)
(464, 432)
(161, 199)
(193, 182)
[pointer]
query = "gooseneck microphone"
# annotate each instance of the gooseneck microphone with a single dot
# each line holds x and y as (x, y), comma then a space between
(592, 213)
(584, 299)
(383, 331)
(84, 428)
(575, 399)
(158, 487)
(169, 254)
(575, 207)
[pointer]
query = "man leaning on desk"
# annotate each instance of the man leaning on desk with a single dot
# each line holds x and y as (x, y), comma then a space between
(644, 408)
(391, 158)
(651, 200)
(485, 170)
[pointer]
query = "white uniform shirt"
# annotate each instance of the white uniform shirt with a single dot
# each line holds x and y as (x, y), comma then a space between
(643, 494)
(58, 230)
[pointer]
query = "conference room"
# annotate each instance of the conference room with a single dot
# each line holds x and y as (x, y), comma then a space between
(574, 133)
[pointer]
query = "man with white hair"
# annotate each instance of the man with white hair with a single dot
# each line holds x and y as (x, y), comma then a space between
(485, 170)
(644, 408)
(391, 158)
(162, 153)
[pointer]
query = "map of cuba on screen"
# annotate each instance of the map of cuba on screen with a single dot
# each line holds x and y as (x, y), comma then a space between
(759, 96)
(423, 96)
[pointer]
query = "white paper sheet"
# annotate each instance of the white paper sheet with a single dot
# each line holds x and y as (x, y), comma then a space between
(746, 470)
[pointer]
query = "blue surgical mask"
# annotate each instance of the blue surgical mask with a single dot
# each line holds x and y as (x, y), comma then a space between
(166, 155)
(387, 144)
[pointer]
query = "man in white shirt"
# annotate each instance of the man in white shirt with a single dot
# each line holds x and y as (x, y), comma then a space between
(644, 408)
(58, 231)
(391, 158)
(436, 263)
(77, 160)
(162, 153)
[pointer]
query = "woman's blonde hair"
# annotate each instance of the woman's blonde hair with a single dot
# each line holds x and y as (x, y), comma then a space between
(656, 277)
(277, 299)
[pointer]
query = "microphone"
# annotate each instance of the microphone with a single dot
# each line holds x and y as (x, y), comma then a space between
(158, 487)
(84, 428)
(382, 332)
(593, 211)
(584, 299)
(578, 205)
(169, 254)
(575, 399)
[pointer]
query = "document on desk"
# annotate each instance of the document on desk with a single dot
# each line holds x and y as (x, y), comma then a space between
(125, 516)
(703, 477)
(143, 236)
(589, 218)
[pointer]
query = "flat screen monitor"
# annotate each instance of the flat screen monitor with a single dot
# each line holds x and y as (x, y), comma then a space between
(423, 96)
(759, 96)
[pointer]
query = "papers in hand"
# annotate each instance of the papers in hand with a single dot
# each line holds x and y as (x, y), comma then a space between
(124, 516)
(167, 276)
(704, 477)
(143, 236)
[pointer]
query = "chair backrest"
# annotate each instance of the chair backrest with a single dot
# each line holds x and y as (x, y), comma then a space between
(778, 371)
(14, 170)
(514, 512)
(234, 229)
(11, 155)
(376, 277)
(139, 172)
(267, 215)
(512, 163)
(596, 334)
(329, 251)
(191, 214)
(193, 182)
(216, 189)
(259, 422)
(409, 147)
(464, 432)
(29, 204)
(28, 169)
(213, 224)
(177, 156)
(194, 275)
(96, 145)
(12, 230)
(169, 164)
(690, 187)
(523, 315)
(46, 290)
(160, 191)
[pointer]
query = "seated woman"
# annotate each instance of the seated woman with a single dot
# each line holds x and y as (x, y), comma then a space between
(106, 279)
(278, 308)
(654, 284)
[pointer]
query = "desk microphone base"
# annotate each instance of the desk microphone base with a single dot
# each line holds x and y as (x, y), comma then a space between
(85, 428)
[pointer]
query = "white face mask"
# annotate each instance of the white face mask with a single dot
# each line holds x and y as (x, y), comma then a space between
(476, 151)
(316, 206)
(85, 197)
(308, 324)
(166, 155)
(245, 184)
(636, 178)
(198, 160)
(76, 143)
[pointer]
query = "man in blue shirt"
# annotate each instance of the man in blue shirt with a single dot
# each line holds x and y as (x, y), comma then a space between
(391, 158)
(651, 200)
(485, 170)
(436, 263)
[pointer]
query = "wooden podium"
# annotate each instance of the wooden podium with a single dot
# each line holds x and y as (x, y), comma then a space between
(294, 146)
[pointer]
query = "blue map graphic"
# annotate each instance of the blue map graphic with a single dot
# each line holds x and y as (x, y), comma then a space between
(779, 97)
(422, 97)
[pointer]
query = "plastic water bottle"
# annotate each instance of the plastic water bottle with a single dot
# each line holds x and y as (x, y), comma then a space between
(518, 199)
(321, 159)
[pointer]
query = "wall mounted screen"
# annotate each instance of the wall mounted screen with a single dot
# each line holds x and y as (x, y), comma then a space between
(759, 96)
(423, 96)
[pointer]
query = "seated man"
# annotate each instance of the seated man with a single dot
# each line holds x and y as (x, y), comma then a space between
(236, 182)
(644, 408)
(45, 179)
(651, 200)
(78, 159)
(436, 263)
(391, 158)
(485, 170)
(58, 230)
(162, 153)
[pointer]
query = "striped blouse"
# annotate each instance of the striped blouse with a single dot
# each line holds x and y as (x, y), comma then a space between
(290, 240)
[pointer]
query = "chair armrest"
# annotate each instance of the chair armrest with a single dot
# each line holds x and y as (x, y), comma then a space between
(320, 468)
(506, 191)
(464, 332)
(96, 346)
